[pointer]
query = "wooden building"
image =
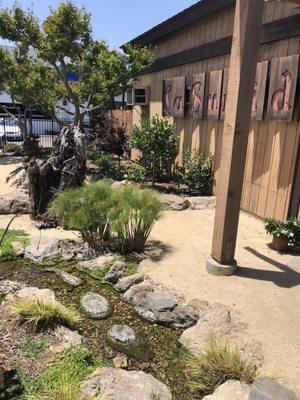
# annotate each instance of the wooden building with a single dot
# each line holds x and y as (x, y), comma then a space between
(187, 82)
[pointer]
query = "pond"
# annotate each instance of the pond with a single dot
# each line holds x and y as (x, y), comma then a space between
(155, 351)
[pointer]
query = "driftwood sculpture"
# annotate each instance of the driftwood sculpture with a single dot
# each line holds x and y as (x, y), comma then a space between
(63, 170)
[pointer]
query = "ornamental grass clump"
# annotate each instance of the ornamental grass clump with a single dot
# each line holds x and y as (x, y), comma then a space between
(218, 362)
(43, 314)
(137, 213)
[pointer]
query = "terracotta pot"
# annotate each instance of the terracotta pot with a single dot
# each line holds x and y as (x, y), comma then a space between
(279, 244)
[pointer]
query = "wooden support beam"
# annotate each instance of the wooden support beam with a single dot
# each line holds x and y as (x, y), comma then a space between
(244, 56)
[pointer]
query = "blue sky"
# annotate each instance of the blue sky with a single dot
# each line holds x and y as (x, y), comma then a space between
(117, 21)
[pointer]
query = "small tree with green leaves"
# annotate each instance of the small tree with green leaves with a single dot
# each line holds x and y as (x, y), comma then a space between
(157, 141)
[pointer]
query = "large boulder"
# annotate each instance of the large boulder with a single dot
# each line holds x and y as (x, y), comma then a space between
(118, 384)
(7, 286)
(14, 202)
(42, 248)
(269, 389)
(230, 390)
(95, 306)
(30, 293)
(155, 304)
(173, 202)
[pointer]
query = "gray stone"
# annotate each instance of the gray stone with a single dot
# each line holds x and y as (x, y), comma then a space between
(18, 248)
(10, 286)
(120, 362)
(118, 384)
(173, 202)
(213, 267)
(230, 390)
(43, 248)
(269, 389)
(115, 272)
(202, 202)
(158, 306)
(70, 279)
(14, 202)
(122, 333)
(120, 183)
(95, 305)
(98, 263)
(31, 293)
(64, 339)
(125, 283)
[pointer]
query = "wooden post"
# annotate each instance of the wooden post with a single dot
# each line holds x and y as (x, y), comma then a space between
(244, 57)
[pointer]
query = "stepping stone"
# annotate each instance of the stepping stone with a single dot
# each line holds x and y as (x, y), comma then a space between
(115, 272)
(119, 384)
(125, 283)
(97, 263)
(176, 203)
(70, 279)
(120, 362)
(122, 333)
(95, 306)
(269, 389)
(10, 286)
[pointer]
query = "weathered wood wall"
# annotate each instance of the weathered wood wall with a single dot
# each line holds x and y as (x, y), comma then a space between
(272, 146)
(124, 118)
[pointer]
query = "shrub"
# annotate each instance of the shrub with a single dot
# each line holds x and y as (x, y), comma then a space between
(62, 380)
(12, 148)
(134, 172)
(288, 230)
(86, 209)
(43, 314)
(197, 170)
(108, 168)
(157, 141)
(218, 362)
(138, 210)
(7, 253)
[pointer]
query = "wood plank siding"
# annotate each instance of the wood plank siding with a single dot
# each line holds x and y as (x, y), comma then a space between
(273, 146)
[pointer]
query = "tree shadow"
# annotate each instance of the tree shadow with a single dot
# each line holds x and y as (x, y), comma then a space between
(7, 160)
(157, 250)
(287, 277)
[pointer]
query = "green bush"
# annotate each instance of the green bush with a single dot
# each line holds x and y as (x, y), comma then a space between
(197, 170)
(107, 167)
(62, 380)
(158, 142)
(138, 210)
(99, 212)
(7, 253)
(134, 172)
(42, 314)
(86, 209)
(288, 230)
(12, 148)
(218, 362)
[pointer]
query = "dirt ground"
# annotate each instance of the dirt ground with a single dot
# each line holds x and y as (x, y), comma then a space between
(265, 289)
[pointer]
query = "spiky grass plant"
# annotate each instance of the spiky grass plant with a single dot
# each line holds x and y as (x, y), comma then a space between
(219, 361)
(43, 314)
(137, 212)
(87, 210)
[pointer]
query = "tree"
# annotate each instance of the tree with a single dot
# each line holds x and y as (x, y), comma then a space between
(157, 141)
(65, 44)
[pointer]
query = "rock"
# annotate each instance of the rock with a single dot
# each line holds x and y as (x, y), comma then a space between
(64, 338)
(118, 384)
(14, 202)
(173, 202)
(19, 179)
(95, 305)
(120, 362)
(230, 390)
(70, 279)
(269, 389)
(42, 248)
(120, 183)
(97, 263)
(125, 283)
(115, 272)
(18, 248)
(122, 333)
(10, 286)
(158, 306)
(202, 202)
(31, 293)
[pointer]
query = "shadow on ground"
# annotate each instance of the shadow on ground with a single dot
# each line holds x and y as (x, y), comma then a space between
(287, 277)
(157, 250)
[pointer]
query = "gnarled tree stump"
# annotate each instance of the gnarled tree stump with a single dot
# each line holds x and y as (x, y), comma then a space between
(63, 170)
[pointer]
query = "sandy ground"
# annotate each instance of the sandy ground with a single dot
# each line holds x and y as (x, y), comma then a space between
(265, 289)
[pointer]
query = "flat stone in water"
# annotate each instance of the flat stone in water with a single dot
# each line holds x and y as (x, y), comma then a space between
(70, 279)
(95, 306)
(122, 333)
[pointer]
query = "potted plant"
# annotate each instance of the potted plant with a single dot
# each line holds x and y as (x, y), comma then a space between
(285, 234)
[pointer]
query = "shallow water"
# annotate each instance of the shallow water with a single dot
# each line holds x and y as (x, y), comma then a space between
(156, 349)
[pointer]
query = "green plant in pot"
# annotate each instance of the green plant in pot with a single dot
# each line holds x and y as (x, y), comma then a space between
(285, 234)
